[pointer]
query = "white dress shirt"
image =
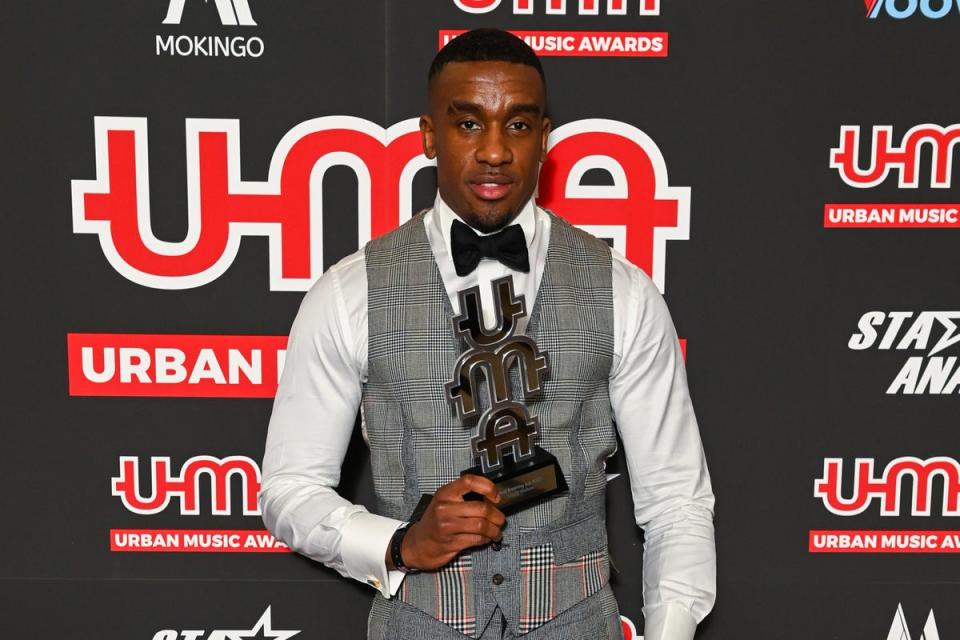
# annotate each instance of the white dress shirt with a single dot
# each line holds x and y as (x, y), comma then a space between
(320, 391)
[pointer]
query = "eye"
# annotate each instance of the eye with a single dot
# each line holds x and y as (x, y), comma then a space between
(469, 125)
(519, 125)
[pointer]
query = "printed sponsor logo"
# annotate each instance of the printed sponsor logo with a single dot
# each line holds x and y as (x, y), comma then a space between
(903, 9)
(886, 490)
(197, 476)
(635, 44)
(184, 487)
(559, 7)
(213, 366)
(195, 541)
(262, 628)
(232, 13)
(930, 332)
(892, 215)
(904, 161)
(637, 210)
(883, 541)
(900, 631)
(632, 44)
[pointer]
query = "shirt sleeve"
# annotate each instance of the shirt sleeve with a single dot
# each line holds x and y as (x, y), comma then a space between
(672, 494)
(314, 413)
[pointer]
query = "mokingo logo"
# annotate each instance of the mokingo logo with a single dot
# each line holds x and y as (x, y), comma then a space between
(232, 13)
(559, 7)
(262, 628)
(903, 160)
(637, 209)
(902, 9)
(899, 630)
(931, 332)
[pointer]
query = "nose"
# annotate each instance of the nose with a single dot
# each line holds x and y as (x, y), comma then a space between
(493, 148)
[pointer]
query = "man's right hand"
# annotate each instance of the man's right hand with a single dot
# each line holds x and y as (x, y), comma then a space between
(451, 524)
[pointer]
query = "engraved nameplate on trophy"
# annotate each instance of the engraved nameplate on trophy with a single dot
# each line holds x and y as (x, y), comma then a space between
(504, 439)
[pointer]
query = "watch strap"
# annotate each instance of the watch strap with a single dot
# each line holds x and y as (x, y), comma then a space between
(396, 540)
(396, 545)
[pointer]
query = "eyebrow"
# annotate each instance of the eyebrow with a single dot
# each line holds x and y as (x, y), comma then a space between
(531, 108)
(459, 106)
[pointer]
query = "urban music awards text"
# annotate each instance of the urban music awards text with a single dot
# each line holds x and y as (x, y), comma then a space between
(884, 542)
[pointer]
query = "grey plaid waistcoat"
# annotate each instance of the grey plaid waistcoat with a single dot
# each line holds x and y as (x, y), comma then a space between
(554, 554)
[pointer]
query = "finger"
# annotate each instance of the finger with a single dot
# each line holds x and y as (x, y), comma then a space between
(475, 526)
(477, 484)
(471, 509)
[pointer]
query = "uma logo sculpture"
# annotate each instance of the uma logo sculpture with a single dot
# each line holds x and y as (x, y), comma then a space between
(505, 427)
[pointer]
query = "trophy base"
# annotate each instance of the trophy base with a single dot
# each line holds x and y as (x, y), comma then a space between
(520, 483)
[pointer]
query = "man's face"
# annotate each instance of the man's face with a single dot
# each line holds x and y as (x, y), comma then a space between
(487, 130)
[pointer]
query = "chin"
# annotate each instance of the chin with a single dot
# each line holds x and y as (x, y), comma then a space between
(490, 217)
(489, 223)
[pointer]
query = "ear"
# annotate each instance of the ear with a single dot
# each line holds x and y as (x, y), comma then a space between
(545, 129)
(427, 137)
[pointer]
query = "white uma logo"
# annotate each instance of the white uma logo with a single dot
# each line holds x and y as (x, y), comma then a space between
(899, 630)
(232, 12)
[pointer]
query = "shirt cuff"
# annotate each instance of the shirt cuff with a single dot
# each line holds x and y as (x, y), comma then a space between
(363, 546)
(668, 621)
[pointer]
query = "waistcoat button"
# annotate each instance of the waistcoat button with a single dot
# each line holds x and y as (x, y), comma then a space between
(496, 545)
(497, 579)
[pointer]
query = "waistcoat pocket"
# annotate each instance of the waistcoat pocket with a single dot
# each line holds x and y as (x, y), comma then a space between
(573, 540)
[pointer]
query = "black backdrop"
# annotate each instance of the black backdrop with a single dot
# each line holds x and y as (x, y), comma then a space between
(744, 108)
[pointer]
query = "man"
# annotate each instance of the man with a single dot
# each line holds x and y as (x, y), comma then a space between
(376, 330)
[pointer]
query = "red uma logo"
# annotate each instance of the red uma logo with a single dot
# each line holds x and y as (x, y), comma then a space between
(186, 485)
(887, 488)
(639, 211)
(903, 159)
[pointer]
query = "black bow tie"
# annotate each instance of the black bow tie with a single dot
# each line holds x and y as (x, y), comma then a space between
(509, 246)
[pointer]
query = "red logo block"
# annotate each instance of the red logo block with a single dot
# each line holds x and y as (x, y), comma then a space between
(115, 364)
(639, 210)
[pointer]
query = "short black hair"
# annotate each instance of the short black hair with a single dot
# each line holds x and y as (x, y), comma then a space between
(483, 45)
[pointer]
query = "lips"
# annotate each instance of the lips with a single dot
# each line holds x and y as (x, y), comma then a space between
(491, 186)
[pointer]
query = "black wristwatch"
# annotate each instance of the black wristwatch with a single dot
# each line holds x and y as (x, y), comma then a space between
(396, 541)
(396, 544)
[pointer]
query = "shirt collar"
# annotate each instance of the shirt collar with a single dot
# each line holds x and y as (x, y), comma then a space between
(443, 217)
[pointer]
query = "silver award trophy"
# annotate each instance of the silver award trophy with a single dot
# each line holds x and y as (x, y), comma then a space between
(505, 433)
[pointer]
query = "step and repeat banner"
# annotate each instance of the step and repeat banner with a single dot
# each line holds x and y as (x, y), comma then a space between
(177, 173)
